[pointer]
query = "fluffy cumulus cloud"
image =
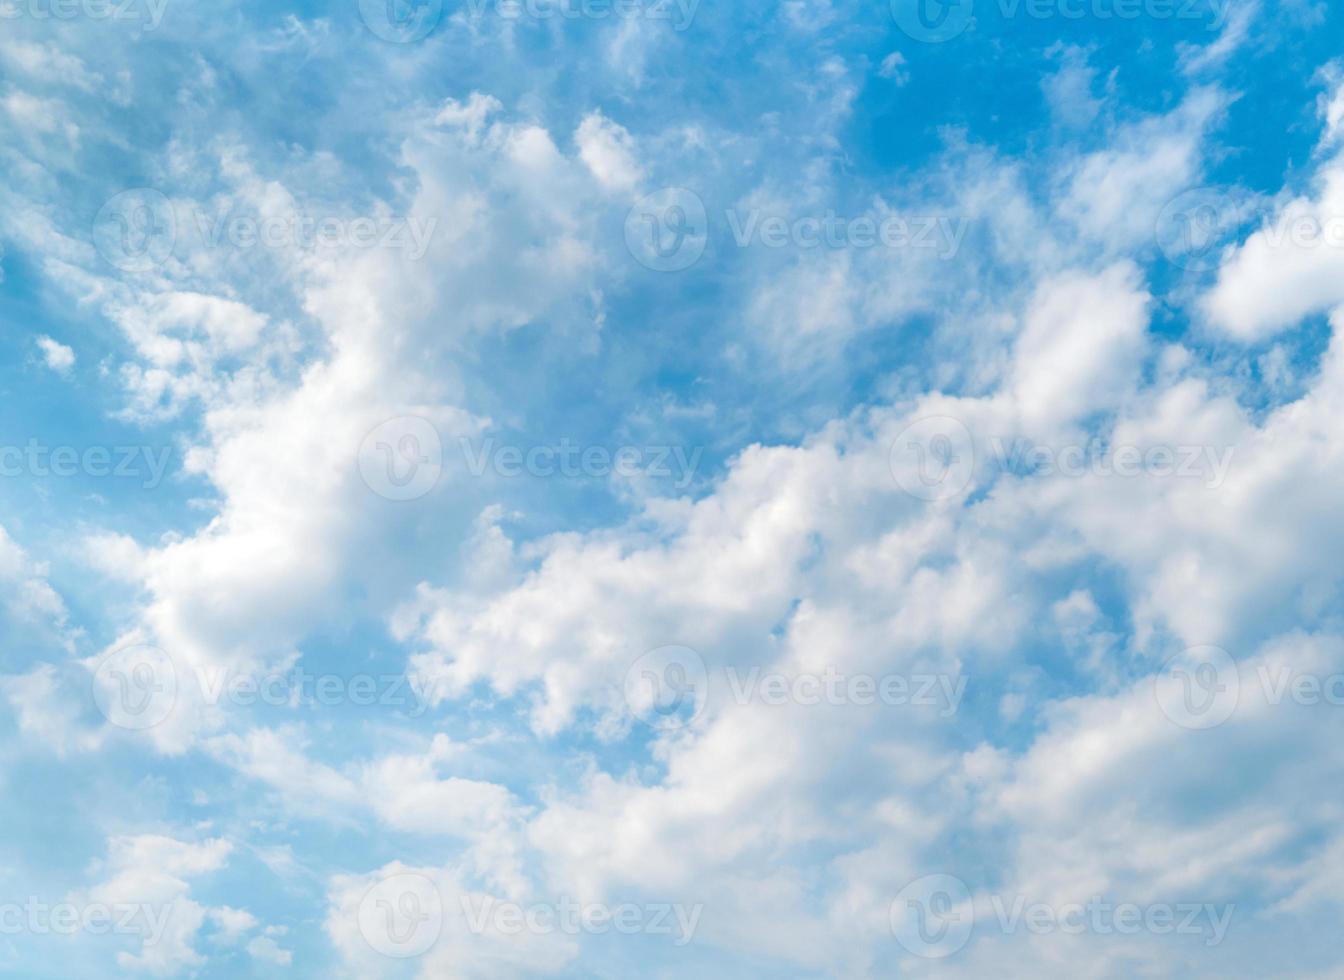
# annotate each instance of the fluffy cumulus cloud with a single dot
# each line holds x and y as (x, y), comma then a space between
(673, 489)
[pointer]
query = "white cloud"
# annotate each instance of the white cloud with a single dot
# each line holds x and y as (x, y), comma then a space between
(1290, 268)
(608, 150)
(57, 356)
(154, 872)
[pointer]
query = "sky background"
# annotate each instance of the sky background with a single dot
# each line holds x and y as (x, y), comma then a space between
(461, 459)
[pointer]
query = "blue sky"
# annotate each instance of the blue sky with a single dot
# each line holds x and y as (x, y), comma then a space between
(588, 489)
